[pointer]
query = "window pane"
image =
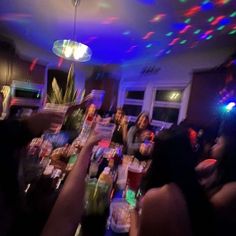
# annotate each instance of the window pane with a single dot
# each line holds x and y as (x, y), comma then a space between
(135, 95)
(132, 110)
(168, 95)
(165, 114)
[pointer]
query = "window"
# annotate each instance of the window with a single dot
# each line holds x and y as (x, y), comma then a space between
(132, 110)
(166, 106)
(139, 95)
(133, 102)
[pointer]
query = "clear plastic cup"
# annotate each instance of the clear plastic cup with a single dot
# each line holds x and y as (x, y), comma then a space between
(57, 108)
(106, 131)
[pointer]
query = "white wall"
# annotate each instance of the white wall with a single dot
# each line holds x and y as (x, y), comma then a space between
(175, 71)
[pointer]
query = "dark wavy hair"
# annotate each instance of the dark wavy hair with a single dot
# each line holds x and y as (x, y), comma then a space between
(172, 162)
(227, 164)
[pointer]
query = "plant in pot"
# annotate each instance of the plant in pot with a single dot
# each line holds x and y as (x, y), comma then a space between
(74, 120)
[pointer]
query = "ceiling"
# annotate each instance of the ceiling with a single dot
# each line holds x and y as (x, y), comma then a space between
(120, 31)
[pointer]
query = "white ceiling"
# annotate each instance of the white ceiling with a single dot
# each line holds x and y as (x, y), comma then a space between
(120, 31)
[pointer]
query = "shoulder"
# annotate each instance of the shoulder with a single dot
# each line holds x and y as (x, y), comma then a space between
(168, 194)
(164, 211)
(225, 197)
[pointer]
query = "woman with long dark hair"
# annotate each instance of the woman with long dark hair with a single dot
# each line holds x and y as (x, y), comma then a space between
(173, 203)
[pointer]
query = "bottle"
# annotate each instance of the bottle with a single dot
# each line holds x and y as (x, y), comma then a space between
(86, 129)
(106, 177)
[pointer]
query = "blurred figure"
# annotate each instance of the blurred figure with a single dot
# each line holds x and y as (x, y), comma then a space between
(14, 135)
(139, 136)
(222, 191)
(121, 122)
(173, 202)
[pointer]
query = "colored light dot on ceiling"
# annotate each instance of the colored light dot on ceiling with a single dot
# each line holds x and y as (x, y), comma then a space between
(225, 21)
(168, 52)
(197, 31)
(207, 5)
(149, 45)
(211, 19)
(126, 32)
(187, 20)
(169, 34)
(221, 27)
(232, 32)
(233, 14)
(183, 1)
(183, 41)
(209, 37)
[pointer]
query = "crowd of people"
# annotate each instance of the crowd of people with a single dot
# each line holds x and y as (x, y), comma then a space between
(189, 188)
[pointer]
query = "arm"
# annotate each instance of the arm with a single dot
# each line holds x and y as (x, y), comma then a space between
(67, 211)
(124, 132)
(132, 147)
(134, 223)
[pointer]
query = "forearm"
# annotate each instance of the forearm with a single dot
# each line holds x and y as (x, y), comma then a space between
(68, 208)
(124, 133)
(133, 223)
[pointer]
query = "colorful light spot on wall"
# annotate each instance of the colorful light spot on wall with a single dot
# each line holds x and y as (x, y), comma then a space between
(225, 21)
(197, 31)
(91, 39)
(183, 1)
(207, 5)
(209, 37)
(127, 32)
(174, 41)
(33, 64)
(169, 34)
(217, 20)
(221, 27)
(211, 19)
(104, 4)
(148, 35)
(221, 2)
(187, 21)
(183, 41)
(149, 45)
(110, 20)
(233, 14)
(192, 11)
(232, 32)
(131, 48)
(168, 51)
(185, 29)
(157, 18)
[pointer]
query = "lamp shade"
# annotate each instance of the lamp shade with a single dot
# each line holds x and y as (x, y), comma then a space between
(72, 50)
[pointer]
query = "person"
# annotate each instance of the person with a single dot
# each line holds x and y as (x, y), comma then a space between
(121, 130)
(137, 137)
(222, 190)
(68, 209)
(173, 202)
(15, 134)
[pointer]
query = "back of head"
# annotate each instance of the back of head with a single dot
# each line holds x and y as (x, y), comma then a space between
(173, 163)
(227, 163)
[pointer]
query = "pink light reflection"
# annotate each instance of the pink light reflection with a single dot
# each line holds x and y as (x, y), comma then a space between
(157, 18)
(148, 35)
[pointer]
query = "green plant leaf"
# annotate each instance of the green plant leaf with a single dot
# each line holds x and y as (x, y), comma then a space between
(57, 93)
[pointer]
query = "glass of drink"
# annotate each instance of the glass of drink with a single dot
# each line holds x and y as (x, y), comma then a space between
(58, 108)
(134, 177)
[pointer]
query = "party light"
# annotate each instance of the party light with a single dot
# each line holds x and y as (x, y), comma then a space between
(71, 49)
(169, 34)
(233, 14)
(148, 35)
(183, 41)
(149, 45)
(230, 106)
(197, 31)
(232, 32)
(221, 27)
(187, 20)
(211, 19)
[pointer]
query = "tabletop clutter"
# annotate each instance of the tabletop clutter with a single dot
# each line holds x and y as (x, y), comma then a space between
(110, 171)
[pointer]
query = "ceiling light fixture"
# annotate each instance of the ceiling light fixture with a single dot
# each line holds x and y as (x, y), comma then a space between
(70, 49)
